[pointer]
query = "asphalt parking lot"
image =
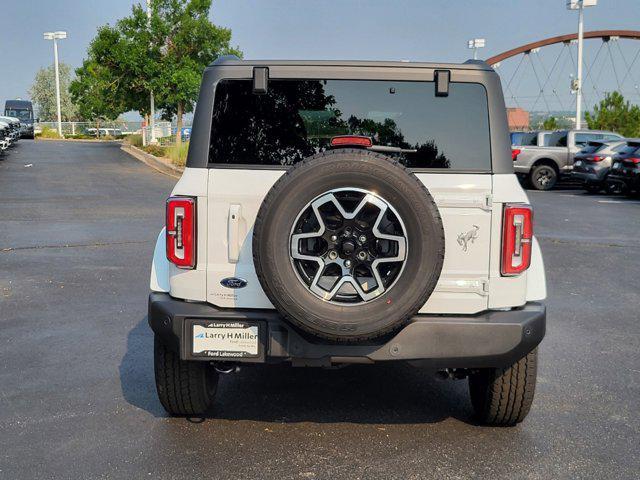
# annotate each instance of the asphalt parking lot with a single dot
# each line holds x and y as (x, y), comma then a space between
(78, 223)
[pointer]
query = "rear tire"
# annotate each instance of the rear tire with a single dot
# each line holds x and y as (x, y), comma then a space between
(614, 188)
(543, 177)
(184, 388)
(503, 396)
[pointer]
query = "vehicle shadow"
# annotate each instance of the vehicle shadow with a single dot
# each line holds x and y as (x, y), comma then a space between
(136, 370)
(394, 393)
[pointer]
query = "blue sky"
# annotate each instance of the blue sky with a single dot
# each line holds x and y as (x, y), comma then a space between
(431, 30)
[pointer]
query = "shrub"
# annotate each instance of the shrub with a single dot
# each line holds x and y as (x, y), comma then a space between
(155, 150)
(48, 132)
(178, 154)
(170, 140)
(80, 136)
(135, 140)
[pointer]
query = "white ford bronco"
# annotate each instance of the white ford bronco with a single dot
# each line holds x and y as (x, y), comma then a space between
(335, 212)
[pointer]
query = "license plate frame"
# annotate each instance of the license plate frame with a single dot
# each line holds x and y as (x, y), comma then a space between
(240, 348)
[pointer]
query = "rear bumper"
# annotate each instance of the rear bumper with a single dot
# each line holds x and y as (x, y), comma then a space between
(489, 339)
(590, 178)
(27, 131)
(630, 181)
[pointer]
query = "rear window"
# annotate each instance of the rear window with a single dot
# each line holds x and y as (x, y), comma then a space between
(630, 148)
(556, 139)
(524, 139)
(297, 118)
(583, 138)
(593, 147)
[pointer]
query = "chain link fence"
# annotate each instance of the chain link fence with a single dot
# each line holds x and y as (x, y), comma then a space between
(93, 129)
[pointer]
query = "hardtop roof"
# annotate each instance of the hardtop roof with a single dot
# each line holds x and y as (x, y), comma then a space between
(231, 60)
(18, 104)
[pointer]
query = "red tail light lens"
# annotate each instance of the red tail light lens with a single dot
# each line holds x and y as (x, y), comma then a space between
(517, 235)
(351, 141)
(597, 158)
(514, 153)
(181, 231)
(633, 160)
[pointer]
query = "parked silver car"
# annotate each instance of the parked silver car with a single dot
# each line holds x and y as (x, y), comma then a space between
(592, 164)
(542, 166)
(4, 137)
(15, 128)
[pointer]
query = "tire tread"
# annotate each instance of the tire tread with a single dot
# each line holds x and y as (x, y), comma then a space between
(503, 396)
(184, 388)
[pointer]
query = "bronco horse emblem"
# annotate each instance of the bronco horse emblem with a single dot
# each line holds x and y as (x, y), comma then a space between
(470, 236)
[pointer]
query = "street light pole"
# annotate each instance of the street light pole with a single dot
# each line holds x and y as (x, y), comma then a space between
(152, 121)
(55, 36)
(55, 61)
(579, 91)
(579, 5)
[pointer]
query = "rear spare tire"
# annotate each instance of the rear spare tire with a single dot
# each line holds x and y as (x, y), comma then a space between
(348, 245)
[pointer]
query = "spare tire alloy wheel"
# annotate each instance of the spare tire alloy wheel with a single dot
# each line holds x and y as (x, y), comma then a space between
(348, 245)
(349, 257)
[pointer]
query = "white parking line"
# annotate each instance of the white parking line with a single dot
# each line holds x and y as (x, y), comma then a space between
(626, 202)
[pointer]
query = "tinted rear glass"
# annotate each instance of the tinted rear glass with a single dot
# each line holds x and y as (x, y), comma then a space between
(593, 147)
(556, 139)
(297, 118)
(523, 139)
(630, 148)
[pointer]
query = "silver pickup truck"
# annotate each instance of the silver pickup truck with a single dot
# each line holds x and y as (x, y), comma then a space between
(551, 155)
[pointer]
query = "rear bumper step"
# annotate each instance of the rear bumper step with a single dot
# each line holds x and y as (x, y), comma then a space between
(489, 339)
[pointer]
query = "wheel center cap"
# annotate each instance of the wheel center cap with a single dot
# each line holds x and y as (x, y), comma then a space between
(348, 247)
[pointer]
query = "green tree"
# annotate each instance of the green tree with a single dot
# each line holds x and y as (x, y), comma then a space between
(95, 93)
(615, 114)
(120, 66)
(165, 54)
(43, 94)
(550, 123)
(187, 42)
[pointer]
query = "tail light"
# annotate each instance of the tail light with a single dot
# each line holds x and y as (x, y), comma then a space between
(514, 153)
(351, 141)
(632, 160)
(181, 231)
(597, 158)
(517, 235)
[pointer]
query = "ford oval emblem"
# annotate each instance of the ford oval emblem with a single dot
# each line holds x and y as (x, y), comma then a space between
(233, 282)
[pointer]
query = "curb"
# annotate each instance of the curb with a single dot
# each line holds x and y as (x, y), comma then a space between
(85, 140)
(159, 164)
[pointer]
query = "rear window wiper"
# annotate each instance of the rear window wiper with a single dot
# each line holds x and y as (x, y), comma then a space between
(388, 149)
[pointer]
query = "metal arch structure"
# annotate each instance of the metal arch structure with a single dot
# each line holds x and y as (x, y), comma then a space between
(604, 34)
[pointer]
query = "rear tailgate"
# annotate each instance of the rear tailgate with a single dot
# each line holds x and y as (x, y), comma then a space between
(463, 201)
